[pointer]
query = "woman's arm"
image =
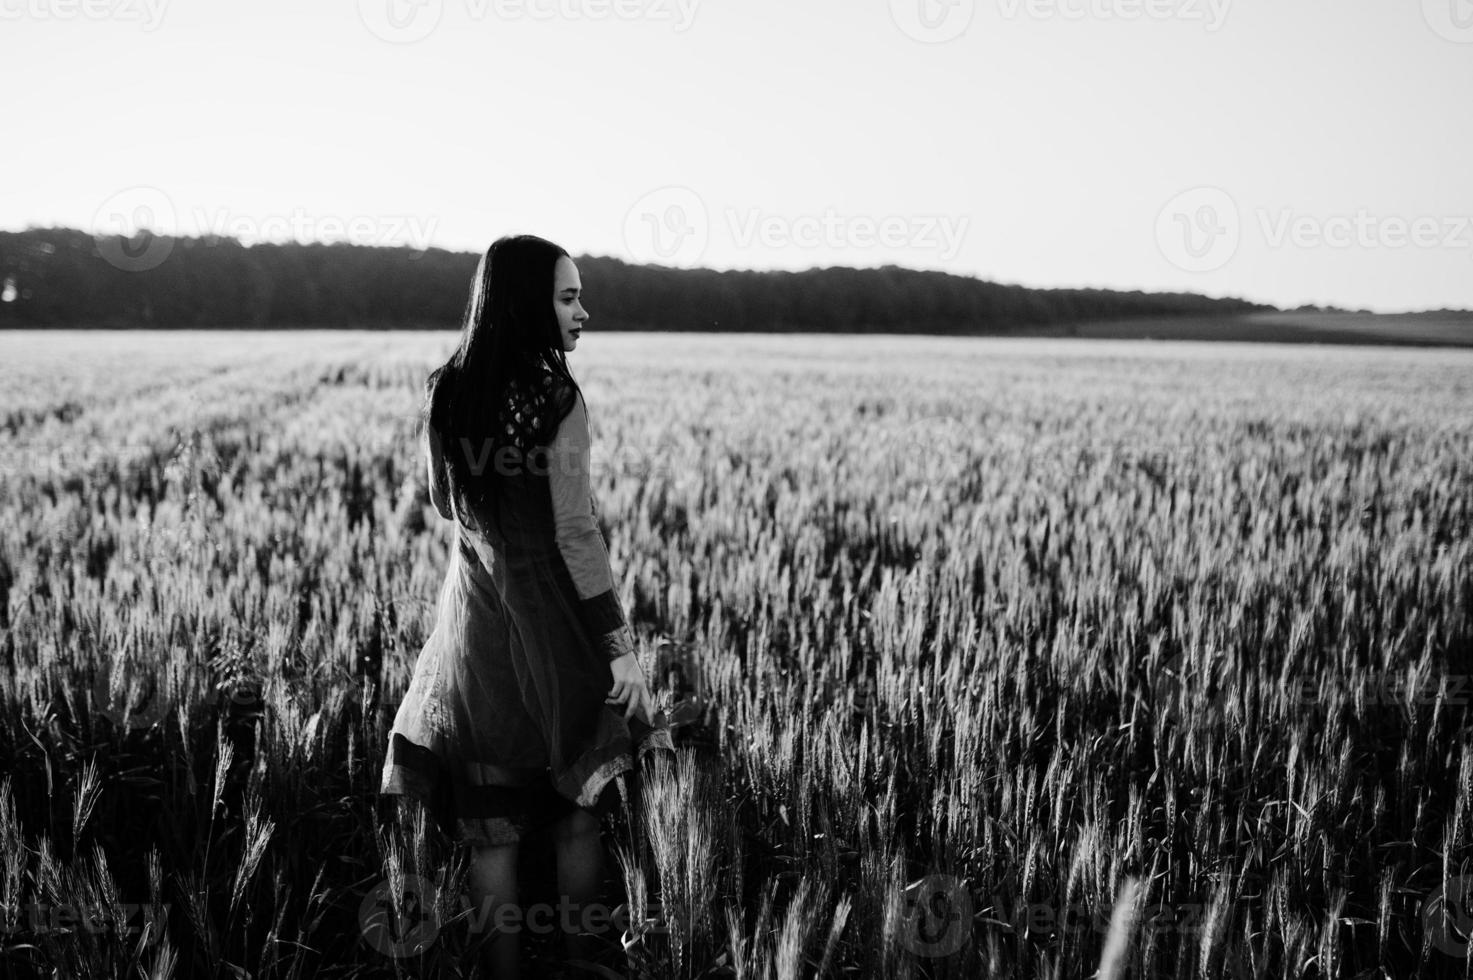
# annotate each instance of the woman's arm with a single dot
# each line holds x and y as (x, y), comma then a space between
(579, 539)
(436, 460)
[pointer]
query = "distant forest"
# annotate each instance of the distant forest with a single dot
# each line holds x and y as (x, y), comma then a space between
(59, 277)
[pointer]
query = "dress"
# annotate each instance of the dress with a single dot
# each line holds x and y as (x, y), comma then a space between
(504, 727)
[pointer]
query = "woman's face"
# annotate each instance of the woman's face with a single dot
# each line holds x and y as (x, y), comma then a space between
(567, 290)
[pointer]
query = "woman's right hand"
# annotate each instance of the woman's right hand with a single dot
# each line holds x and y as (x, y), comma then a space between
(630, 688)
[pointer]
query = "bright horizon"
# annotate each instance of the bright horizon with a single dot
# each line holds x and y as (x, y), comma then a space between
(1279, 154)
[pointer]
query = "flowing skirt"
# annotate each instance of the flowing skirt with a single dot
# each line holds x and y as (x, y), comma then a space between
(504, 728)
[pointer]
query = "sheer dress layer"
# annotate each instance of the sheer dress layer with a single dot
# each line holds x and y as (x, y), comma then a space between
(503, 727)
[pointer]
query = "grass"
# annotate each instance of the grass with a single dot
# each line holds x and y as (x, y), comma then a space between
(989, 644)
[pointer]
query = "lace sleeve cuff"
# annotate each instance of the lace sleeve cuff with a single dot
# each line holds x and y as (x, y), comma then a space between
(617, 643)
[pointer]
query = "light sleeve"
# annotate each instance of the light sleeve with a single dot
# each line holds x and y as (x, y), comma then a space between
(579, 540)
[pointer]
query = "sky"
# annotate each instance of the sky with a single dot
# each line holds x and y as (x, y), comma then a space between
(1282, 151)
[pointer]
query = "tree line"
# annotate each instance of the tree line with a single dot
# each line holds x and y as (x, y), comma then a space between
(61, 277)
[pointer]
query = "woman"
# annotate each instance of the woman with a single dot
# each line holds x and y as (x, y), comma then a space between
(527, 699)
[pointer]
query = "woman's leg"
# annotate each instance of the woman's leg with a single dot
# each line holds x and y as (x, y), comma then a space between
(493, 883)
(580, 856)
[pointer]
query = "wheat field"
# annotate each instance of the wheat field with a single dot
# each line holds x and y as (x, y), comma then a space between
(991, 657)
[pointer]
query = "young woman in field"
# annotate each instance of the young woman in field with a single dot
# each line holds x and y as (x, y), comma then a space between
(527, 700)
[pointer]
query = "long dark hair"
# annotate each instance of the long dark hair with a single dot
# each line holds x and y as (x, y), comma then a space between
(509, 338)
